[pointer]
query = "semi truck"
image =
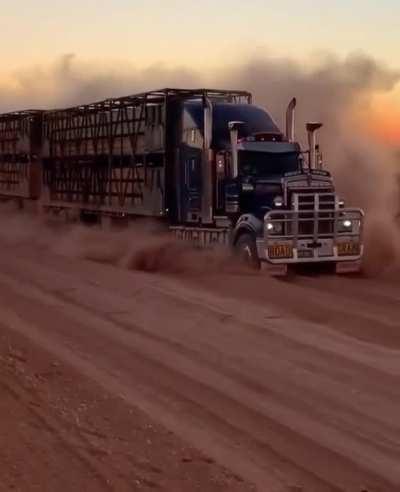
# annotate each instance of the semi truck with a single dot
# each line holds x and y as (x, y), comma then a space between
(210, 164)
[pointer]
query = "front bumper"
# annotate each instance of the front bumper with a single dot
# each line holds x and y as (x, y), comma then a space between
(312, 237)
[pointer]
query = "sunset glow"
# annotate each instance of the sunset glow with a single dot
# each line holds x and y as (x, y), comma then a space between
(388, 128)
(199, 37)
(382, 119)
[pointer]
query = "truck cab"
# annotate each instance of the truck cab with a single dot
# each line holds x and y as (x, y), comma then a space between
(277, 201)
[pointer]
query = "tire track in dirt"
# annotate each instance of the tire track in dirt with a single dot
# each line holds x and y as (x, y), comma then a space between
(66, 439)
(69, 292)
(52, 418)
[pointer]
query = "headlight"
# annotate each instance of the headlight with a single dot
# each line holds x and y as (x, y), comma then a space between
(274, 227)
(278, 202)
(345, 225)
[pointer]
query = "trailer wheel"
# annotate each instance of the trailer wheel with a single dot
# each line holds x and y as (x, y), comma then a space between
(246, 251)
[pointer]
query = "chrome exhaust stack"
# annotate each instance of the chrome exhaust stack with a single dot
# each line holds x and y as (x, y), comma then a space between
(312, 129)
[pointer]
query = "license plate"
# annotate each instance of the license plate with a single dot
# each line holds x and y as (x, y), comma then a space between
(348, 249)
(280, 251)
(305, 253)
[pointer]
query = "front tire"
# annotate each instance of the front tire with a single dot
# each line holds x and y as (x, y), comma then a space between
(246, 251)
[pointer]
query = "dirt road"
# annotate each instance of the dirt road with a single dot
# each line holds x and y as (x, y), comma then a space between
(285, 385)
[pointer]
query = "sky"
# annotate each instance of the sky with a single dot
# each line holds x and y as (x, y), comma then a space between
(199, 34)
(184, 31)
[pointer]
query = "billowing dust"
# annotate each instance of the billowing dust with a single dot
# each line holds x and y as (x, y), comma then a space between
(141, 245)
(336, 91)
(367, 176)
(146, 246)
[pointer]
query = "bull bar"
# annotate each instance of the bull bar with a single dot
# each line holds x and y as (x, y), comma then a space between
(311, 236)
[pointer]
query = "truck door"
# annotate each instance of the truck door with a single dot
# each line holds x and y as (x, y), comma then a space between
(191, 196)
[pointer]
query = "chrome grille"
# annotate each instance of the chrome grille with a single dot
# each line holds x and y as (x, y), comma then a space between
(313, 201)
(316, 213)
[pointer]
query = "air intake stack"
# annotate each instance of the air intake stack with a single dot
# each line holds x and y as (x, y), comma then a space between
(234, 133)
(290, 120)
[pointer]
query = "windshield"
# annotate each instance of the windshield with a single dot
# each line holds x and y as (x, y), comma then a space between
(264, 164)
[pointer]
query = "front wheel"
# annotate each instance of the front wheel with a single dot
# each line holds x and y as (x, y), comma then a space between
(246, 251)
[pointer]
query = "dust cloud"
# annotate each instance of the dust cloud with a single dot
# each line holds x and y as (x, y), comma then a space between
(142, 245)
(70, 81)
(336, 91)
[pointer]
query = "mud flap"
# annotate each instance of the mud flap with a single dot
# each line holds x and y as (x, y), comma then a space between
(274, 270)
(343, 267)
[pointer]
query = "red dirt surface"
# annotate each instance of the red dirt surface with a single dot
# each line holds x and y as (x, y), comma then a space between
(60, 431)
(123, 380)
